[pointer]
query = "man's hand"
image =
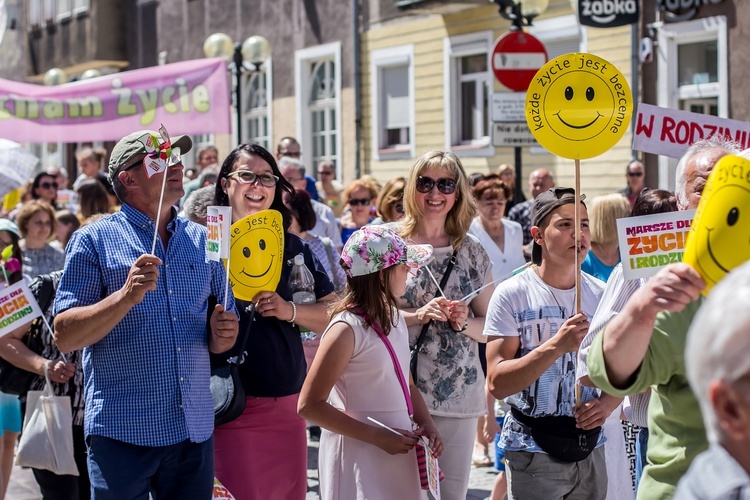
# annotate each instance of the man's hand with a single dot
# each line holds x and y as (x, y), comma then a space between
(142, 278)
(671, 289)
(570, 335)
(224, 329)
(591, 414)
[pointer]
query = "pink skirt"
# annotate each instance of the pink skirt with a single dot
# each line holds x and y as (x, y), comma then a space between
(263, 454)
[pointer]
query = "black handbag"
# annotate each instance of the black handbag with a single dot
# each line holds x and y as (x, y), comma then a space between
(226, 387)
(15, 380)
(414, 354)
(559, 437)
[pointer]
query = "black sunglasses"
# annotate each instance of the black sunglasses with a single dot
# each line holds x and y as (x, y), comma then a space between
(635, 174)
(399, 206)
(47, 185)
(446, 185)
(359, 201)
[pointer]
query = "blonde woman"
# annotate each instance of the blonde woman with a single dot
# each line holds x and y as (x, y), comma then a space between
(439, 209)
(604, 254)
(390, 202)
(360, 197)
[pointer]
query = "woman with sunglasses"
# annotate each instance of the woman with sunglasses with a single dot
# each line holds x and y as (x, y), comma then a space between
(263, 453)
(44, 188)
(390, 202)
(360, 197)
(439, 209)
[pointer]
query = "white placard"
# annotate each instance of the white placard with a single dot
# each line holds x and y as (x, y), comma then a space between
(17, 307)
(218, 223)
(512, 135)
(650, 242)
(509, 107)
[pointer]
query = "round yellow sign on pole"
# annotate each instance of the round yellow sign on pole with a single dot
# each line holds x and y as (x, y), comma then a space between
(578, 106)
(256, 254)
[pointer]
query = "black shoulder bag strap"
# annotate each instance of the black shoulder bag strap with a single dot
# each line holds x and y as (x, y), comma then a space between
(422, 334)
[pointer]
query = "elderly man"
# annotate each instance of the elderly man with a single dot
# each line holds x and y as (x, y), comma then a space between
(540, 180)
(288, 147)
(643, 346)
(718, 369)
(635, 174)
(325, 226)
(144, 324)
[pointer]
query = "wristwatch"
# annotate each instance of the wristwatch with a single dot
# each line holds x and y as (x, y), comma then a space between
(463, 328)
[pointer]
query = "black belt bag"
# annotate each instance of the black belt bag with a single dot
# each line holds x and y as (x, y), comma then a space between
(559, 437)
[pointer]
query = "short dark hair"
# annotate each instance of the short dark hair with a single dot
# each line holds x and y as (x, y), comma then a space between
(38, 180)
(282, 189)
(654, 201)
(302, 210)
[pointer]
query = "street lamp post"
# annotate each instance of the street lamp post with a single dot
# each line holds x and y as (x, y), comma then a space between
(520, 14)
(253, 51)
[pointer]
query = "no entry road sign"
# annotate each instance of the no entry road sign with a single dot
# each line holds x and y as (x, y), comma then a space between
(516, 57)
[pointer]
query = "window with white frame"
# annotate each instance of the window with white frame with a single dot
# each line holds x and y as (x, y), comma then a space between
(81, 6)
(34, 13)
(392, 91)
(468, 86)
(64, 9)
(49, 11)
(692, 74)
(318, 91)
(256, 107)
(50, 154)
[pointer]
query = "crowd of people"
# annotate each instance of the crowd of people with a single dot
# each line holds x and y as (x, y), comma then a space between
(445, 310)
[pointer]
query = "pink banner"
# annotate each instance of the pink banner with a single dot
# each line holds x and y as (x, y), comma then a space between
(190, 97)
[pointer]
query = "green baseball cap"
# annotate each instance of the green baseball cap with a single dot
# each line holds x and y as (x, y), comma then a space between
(129, 147)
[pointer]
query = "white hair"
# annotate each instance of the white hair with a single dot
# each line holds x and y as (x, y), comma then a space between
(286, 160)
(713, 142)
(718, 343)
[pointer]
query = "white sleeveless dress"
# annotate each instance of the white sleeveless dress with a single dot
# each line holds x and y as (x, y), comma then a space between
(368, 387)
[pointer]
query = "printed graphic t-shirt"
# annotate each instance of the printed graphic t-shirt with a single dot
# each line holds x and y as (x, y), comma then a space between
(526, 307)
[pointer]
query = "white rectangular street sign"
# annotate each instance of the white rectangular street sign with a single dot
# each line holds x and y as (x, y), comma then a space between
(512, 135)
(508, 106)
(519, 60)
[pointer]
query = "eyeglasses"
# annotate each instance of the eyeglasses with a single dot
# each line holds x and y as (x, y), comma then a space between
(399, 206)
(324, 172)
(635, 174)
(359, 201)
(248, 177)
(290, 154)
(446, 185)
(48, 185)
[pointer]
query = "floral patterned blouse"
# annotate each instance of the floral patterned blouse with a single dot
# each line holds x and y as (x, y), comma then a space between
(449, 374)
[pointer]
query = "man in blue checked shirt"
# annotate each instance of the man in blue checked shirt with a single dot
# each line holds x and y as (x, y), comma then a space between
(142, 320)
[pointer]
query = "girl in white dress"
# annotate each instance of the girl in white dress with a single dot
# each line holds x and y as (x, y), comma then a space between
(353, 377)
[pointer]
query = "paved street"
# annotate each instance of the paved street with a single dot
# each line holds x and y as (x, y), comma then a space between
(23, 487)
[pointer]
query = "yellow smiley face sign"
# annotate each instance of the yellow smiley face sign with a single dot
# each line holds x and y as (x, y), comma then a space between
(578, 106)
(256, 254)
(719, 238)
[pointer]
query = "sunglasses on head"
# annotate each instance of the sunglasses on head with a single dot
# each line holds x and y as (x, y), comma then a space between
(446, 185)
(359, 201)
(248, 177)
(48, 185)
(635, 174)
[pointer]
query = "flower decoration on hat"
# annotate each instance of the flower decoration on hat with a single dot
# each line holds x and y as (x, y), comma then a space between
(10, 263)
(160, 152)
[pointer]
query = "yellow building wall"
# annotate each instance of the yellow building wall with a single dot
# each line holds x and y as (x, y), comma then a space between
(599, 175)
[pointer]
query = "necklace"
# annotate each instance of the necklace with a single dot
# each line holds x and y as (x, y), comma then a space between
(549, 289)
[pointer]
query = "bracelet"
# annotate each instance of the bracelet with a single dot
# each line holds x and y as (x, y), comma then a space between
(463, 328)
(294, 313)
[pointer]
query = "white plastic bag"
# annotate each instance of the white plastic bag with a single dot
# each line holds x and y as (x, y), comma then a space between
(47, 438)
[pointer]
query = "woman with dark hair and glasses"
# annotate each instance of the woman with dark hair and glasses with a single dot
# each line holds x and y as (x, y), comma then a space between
(263, 453)
(44, 188)
(439, 209)
(360, 198)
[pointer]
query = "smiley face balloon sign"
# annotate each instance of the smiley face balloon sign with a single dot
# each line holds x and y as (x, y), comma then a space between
(719, 238)
(256, 254)
(578, 106)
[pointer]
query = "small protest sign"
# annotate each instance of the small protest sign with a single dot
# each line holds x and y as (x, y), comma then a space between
(650, 242)
(218, 223)
(256, 254)
(578, 106)
(221, 492)
(719, 236)
(17, 307)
